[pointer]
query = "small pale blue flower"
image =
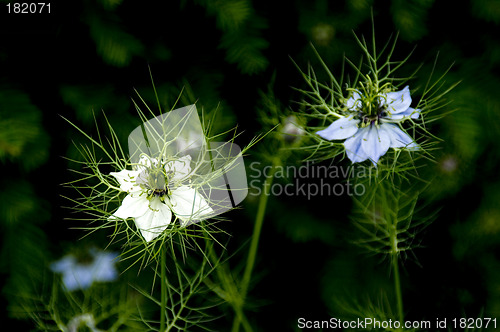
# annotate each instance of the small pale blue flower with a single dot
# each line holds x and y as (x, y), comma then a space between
(76, 275)
(369, 136)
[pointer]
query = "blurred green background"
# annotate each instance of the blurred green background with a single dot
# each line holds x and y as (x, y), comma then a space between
(88, 56)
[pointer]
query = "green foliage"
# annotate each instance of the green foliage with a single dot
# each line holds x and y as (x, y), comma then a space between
(189, 303)
(111, 4)
(296, 224)
(115, 46)
(408, 17)
(385, 217)
(489, 10)
(102, 307)
(86, 101)
(230, 15)
(18, 202)
(22, 136)
(241, 33)
(24, 256)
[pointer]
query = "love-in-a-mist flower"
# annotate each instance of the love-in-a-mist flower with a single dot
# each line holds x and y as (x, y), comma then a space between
(370, 126)
(81, 275)
(157, 188)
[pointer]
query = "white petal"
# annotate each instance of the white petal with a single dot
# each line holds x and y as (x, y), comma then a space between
(354, 102)
(126, 179)
(340, 129)
(179, 169)
(399, 139)
(155, 220)
(398, 101)
(375, 143)
(134, 205)
(353, 147)
(189, 205)
(145, 163)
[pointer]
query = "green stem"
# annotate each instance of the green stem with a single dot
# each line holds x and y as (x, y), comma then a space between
(252, 253)
(395, 268)
(229, 290)
(163, 289)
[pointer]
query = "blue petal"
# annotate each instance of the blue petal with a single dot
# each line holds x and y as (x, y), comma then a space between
(398, 101)
(354, 102)
(103, 268)
(353, 147)
(340, 129)
(409, 113)
(64, 264)
(80, 277)
(376, 143)
(399, 139)
(414, 113)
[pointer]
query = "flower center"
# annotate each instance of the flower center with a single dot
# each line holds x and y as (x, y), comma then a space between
(370, 119)
(154, 182)
(84, 258)
(159, 192)
(371, 110)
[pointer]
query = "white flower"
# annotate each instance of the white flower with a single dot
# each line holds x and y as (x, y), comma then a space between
(155, 190)
(79, 322)
(369, 136)
(77, 275)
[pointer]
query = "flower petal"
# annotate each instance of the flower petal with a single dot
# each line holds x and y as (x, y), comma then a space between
(155, 220)
(145, 163)
(340, 129)
(354, 102)
(103, 267)
(398, 101)
(375, 143)
(126, 179)
(409, 113)
(134, 205)
(64, 264)
(399, 139)
(179, 169)
(189, 205)
(80, 277)
(353, 147)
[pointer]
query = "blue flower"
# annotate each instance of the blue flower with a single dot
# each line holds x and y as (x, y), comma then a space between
(78, 275)
(370, 133)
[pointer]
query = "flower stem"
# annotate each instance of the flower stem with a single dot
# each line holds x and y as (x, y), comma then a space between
(163, 288)
(397, 287)
(230, 291)
(395, 268)
(252, 253)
